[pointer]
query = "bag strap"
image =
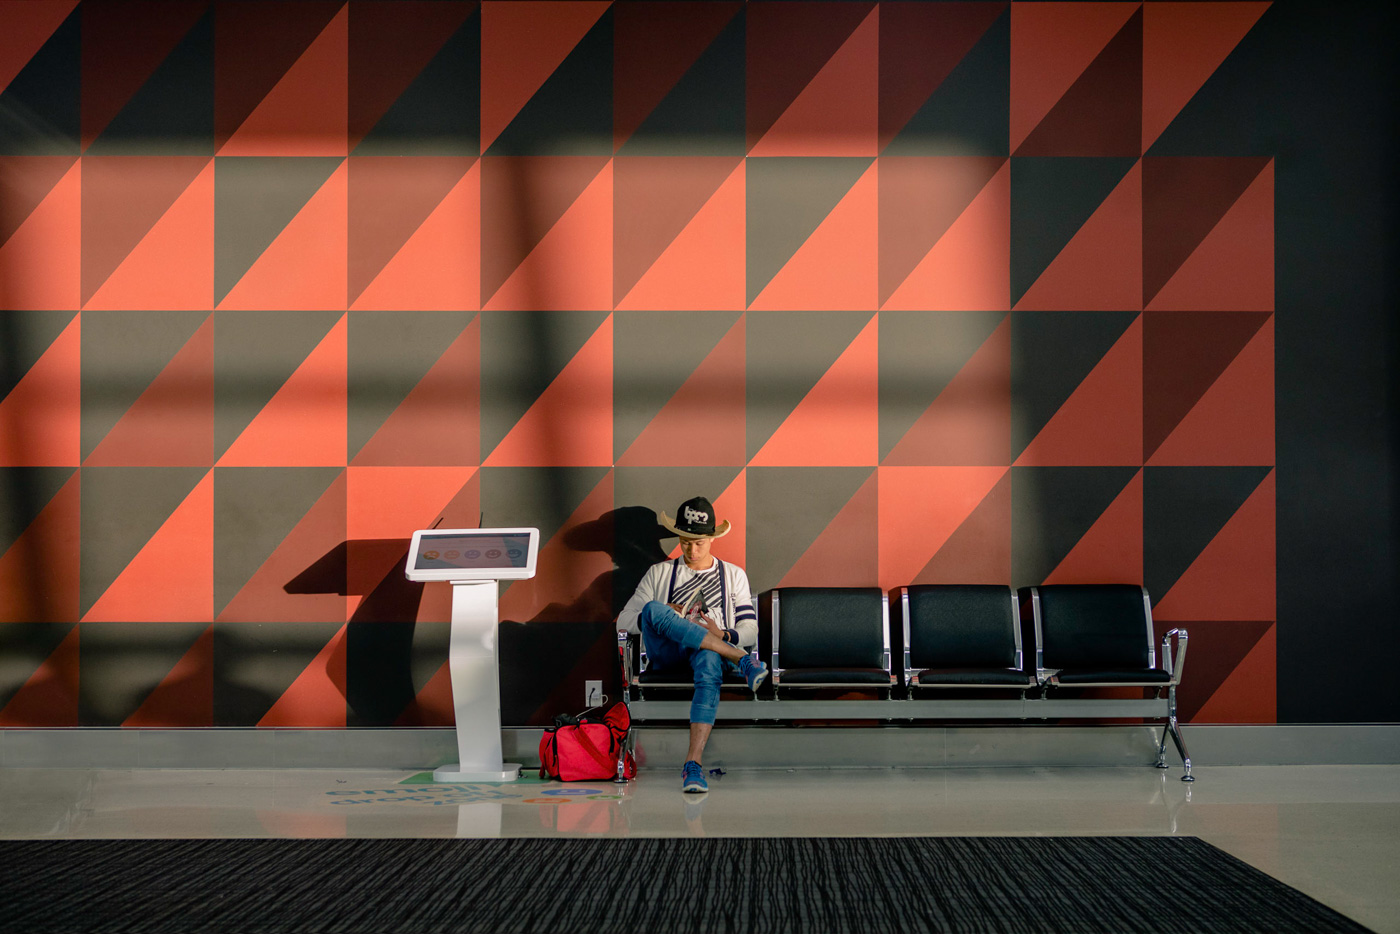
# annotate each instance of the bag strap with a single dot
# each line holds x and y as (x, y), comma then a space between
(597, 754)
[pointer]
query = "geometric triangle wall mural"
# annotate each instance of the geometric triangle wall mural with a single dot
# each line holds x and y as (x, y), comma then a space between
(913, 299)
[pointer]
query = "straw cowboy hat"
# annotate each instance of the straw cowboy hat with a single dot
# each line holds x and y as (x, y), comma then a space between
(696, 519)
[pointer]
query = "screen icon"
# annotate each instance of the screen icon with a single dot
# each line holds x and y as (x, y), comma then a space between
(430, 555)
(473, 553)
(452, 554)
(493, 552)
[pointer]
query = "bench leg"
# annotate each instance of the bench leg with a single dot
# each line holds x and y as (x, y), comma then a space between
(1162, 748)
(1181, 748)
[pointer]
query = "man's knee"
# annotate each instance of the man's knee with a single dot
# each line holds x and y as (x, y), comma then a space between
(708, 667)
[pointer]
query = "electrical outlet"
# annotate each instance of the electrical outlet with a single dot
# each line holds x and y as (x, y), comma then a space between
(592, 693)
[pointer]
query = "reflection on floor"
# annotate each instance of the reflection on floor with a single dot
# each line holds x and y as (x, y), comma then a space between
(1330, 831)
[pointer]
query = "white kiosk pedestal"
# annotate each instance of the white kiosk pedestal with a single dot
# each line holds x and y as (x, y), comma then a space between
(473, 560)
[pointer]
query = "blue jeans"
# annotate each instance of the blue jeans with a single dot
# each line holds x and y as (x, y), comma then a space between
(672, 642)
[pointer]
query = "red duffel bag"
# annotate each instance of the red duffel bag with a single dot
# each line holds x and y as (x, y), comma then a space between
(587, 748)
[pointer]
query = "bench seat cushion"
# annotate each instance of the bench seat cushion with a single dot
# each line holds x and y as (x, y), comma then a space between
(682, 676)
(1007, 676)
(1068, 676)
(797, 676)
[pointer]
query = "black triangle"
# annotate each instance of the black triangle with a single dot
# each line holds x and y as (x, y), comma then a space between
(255, 663)
(127, 677)
(536, 497)
(703, 115)
(571, 113)
(173, 112)
(26, 491)
(25, 336)
(1051, 198)
(437, 114)
(25, 647)
(1051, 353)
(1051, 509)
(970, 112)
(1183, 509)
(40, 108)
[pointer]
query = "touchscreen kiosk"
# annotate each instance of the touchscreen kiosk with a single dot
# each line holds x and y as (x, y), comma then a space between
(472, 561)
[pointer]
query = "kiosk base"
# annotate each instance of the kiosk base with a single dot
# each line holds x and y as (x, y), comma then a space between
(509, 772)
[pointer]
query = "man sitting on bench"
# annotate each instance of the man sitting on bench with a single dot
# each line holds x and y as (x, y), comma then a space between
(697, 610)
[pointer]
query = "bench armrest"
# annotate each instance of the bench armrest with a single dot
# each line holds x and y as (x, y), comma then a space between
(1174, 667)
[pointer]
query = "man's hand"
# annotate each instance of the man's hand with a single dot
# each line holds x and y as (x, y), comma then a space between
(713, 627)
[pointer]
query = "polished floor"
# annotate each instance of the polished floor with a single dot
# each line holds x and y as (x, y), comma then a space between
(1330, 831)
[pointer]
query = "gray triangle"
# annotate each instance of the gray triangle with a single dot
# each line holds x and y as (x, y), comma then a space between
(123, 352)
(25, 335)
(654, 353)
(24, 647)
(788, 508)
(25, 492)
(255, 663)
(535, 497)
(122, 508)
(787, 198)
(122, 663)
(389, 353)
(786, 353)
(255, 197)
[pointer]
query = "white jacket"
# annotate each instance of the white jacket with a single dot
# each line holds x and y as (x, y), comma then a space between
(737, 608)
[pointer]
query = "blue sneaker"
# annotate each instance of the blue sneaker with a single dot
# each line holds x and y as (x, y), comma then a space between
(693, 778)
(754, 671)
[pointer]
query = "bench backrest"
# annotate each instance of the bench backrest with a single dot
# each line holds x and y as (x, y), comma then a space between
(1093, 626)
(960, 626)
(830, 627)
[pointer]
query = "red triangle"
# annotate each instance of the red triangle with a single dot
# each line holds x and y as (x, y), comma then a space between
(50, 696)
(303, 425)
(1250, 693)
(566, 591)
(305, 113)
(570, 269)
(433, 705)
(836, 113)
(172, 267)
(1100, 269)
(438, 267)
(1233, 423)
(570, 424)
(837, 424)
(846, 553)
(969, 268)
(304, 269)
(316, 699)
(437, 422)
(1100, 424)
(970, 420)
(1234, 577)
(38, 576)
(41, 259)
(1051, 45)
(836, 269)
(521, 46)
(920, 509)
(184, 697)
(40, 419)
(709, 405)
(1233, 267)
(181, 550)
(171, 424)
(1111, 551)
(1182, 45)
(979, 551)
(26, 27)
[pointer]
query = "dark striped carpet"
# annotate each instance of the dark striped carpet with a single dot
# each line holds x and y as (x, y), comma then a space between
(900, 884)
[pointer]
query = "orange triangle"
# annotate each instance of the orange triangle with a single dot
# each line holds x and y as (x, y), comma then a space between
(521, 46)
(49, 697)
(1111, 551)
(920, 509)
(969, 268)
(172, 423)
(42, 260)
(1234, 577)
(437, 422)
(317, 697)
(732, 506)
(846, 553)
(836, 268)
(40, 423)
(570, 424)
(439, 266)
(837, 424)
(703, 267)
(970, 420)
(571, 573)
(570, 269)
(1232, 269)
(182, 550)
(1051, 45)
(1100, 424)
(38, 578)
(979, 550)
(184, 697)
(836, 113)
(303, 425)
(305, 267)
(392, 502)
(433, 705)
(26, 27)
(1182, 45)
(709, 406)
(172, 267)
(1233, 422)
(1100, 269)
(1249, 694)
(306, 113)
